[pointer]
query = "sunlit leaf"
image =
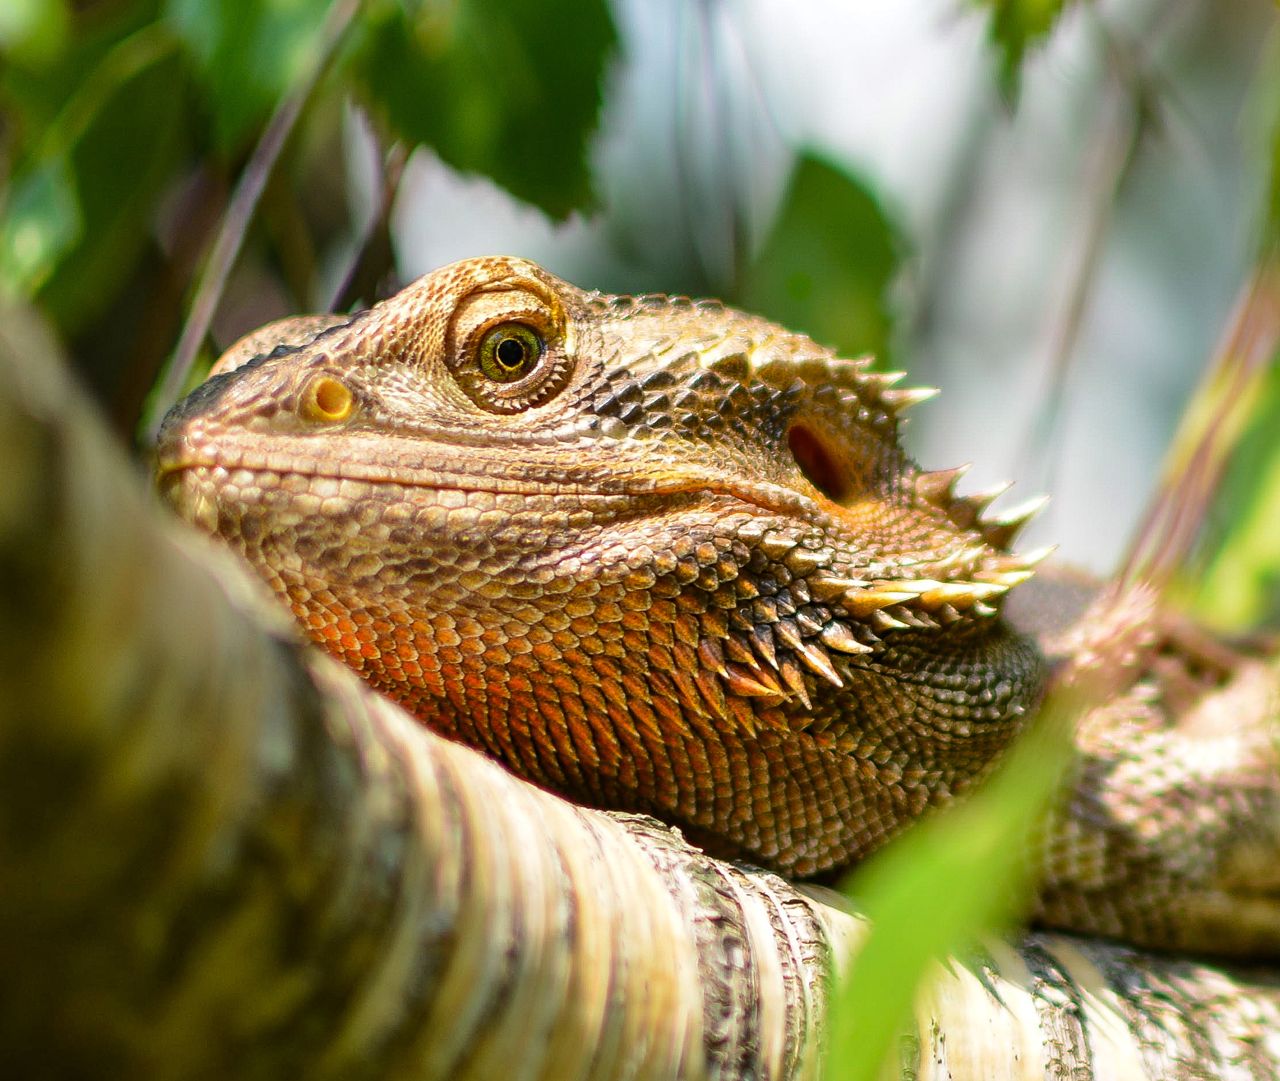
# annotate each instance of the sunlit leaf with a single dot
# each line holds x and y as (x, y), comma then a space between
(827, 264)
(504, 88)
(935, 892)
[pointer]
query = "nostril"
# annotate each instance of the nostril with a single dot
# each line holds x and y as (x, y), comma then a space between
(327, 400)
(818, 463)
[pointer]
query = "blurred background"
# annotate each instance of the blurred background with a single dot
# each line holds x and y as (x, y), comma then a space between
(1048, 209)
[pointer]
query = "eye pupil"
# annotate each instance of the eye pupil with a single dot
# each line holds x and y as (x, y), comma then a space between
(511, 352)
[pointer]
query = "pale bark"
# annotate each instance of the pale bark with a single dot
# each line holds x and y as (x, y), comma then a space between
(220, 855)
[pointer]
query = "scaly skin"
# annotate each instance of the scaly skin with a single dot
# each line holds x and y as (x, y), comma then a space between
(679, 565)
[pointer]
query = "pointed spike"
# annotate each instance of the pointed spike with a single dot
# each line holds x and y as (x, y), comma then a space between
(740, 707)
(899, 401)
(711, 655)
(1027, 560)
(1006, 579)
(861, 604)
(882, 381)
(712, 693)
(946, 614)
(788, 634)
(741, 683)
(829, 587)
(738, 650)
(938, 486)
(837, 636)
(1000, 532)
(793, 676)
(966, 510)
(762, 642)
(764, 610)
(913, 587)
(983, 610)
(986, 496)
(908, 619)
(961, 594)
(819, 663)
(808, 623)
(882, 621)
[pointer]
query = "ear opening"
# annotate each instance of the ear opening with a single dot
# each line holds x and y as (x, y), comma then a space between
(819, 463)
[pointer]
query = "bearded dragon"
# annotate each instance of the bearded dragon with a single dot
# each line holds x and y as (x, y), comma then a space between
(663, 556)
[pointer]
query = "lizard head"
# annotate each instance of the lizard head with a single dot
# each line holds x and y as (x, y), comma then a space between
(628, 545)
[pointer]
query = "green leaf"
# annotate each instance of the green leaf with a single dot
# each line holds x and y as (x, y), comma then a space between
(248, 53)
(826, 267)
(1237, 586)
(78, 218)
(40, 224)
(933, 893)
(505, 88)
(33, 31)
(1016, 26)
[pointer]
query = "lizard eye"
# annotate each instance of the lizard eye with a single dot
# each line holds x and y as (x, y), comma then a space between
(510, 348)
(510, 351)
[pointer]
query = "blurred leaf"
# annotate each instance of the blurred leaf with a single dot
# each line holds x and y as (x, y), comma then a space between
(40, 224)
(1239, 588)
(33, 31)
(78, 218)
(249, 54)
(1017, 25)
(827, 264)
(932, 894)
(504, 88)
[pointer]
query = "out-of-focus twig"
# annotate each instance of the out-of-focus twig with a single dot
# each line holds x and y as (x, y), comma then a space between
(1209, 431)
(373, 257)
(240, 212)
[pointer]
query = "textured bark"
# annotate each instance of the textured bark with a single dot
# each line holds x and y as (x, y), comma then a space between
(222, 856)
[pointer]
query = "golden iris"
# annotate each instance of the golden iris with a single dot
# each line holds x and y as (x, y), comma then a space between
(510, 351)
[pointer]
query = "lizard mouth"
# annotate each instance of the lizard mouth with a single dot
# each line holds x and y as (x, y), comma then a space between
(178, 463)
(189, 486)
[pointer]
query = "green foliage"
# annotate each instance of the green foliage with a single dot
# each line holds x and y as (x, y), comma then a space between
(247, 55)
(826, 267)
(76, 219)
(113, 112)
(1016, 27)
(33, 31)
(1238, 587)
(934, 892)
(504, 88)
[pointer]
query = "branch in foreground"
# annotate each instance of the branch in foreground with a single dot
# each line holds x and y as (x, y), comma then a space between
(222, 855)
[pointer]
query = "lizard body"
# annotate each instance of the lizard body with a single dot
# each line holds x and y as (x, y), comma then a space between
(658, 555)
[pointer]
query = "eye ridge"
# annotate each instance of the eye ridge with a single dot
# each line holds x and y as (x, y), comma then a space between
(510, 351)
